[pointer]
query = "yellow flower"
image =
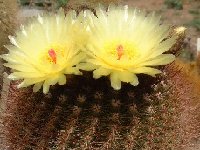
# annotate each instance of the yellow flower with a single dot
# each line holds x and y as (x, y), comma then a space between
(125, 42)
(45, 50)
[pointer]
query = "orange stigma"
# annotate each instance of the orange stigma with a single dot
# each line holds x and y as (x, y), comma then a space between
(120, 51)
(52, 54)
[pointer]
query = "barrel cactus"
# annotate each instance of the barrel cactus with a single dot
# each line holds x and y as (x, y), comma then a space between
(159, 113)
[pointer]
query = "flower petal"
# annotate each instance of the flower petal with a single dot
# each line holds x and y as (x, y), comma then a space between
(147, 70)
(46, 87)
(115, 81)
(78, 58)
(21, 75)
(72, 70)
(62, 79)
(50, 81)
(163, 59)
(163, 47)
(37, 86)
(23, 68)
(30, 81)
(101, 72)
(128, 77)
(86, 66)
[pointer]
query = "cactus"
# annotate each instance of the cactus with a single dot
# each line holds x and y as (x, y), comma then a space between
(159, 113)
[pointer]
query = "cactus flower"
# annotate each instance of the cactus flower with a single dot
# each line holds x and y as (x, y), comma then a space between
(126, 42)
(46, 49)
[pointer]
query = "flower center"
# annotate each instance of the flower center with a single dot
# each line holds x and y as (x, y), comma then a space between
(120, 51)
(52, 56)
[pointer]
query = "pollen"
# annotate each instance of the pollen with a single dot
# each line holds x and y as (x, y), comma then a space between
(52, 55)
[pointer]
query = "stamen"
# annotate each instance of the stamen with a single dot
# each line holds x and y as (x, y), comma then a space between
(120, 51)
(52, 54)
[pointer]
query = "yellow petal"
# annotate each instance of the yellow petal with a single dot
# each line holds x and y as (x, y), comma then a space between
(21, 75)
(86, 66)
(46, 87)
(163, 59)
(13, 77)
(78, 58)
(115, 81)
(7, 57)
(22, 68)
(163, 47)
(62, 80)
(31, 81)
(101, 72)
(72, 70)
(94, 61)
(99, 62)
(147, 70)
(128, 77)
(37, 86)
(50, 81)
